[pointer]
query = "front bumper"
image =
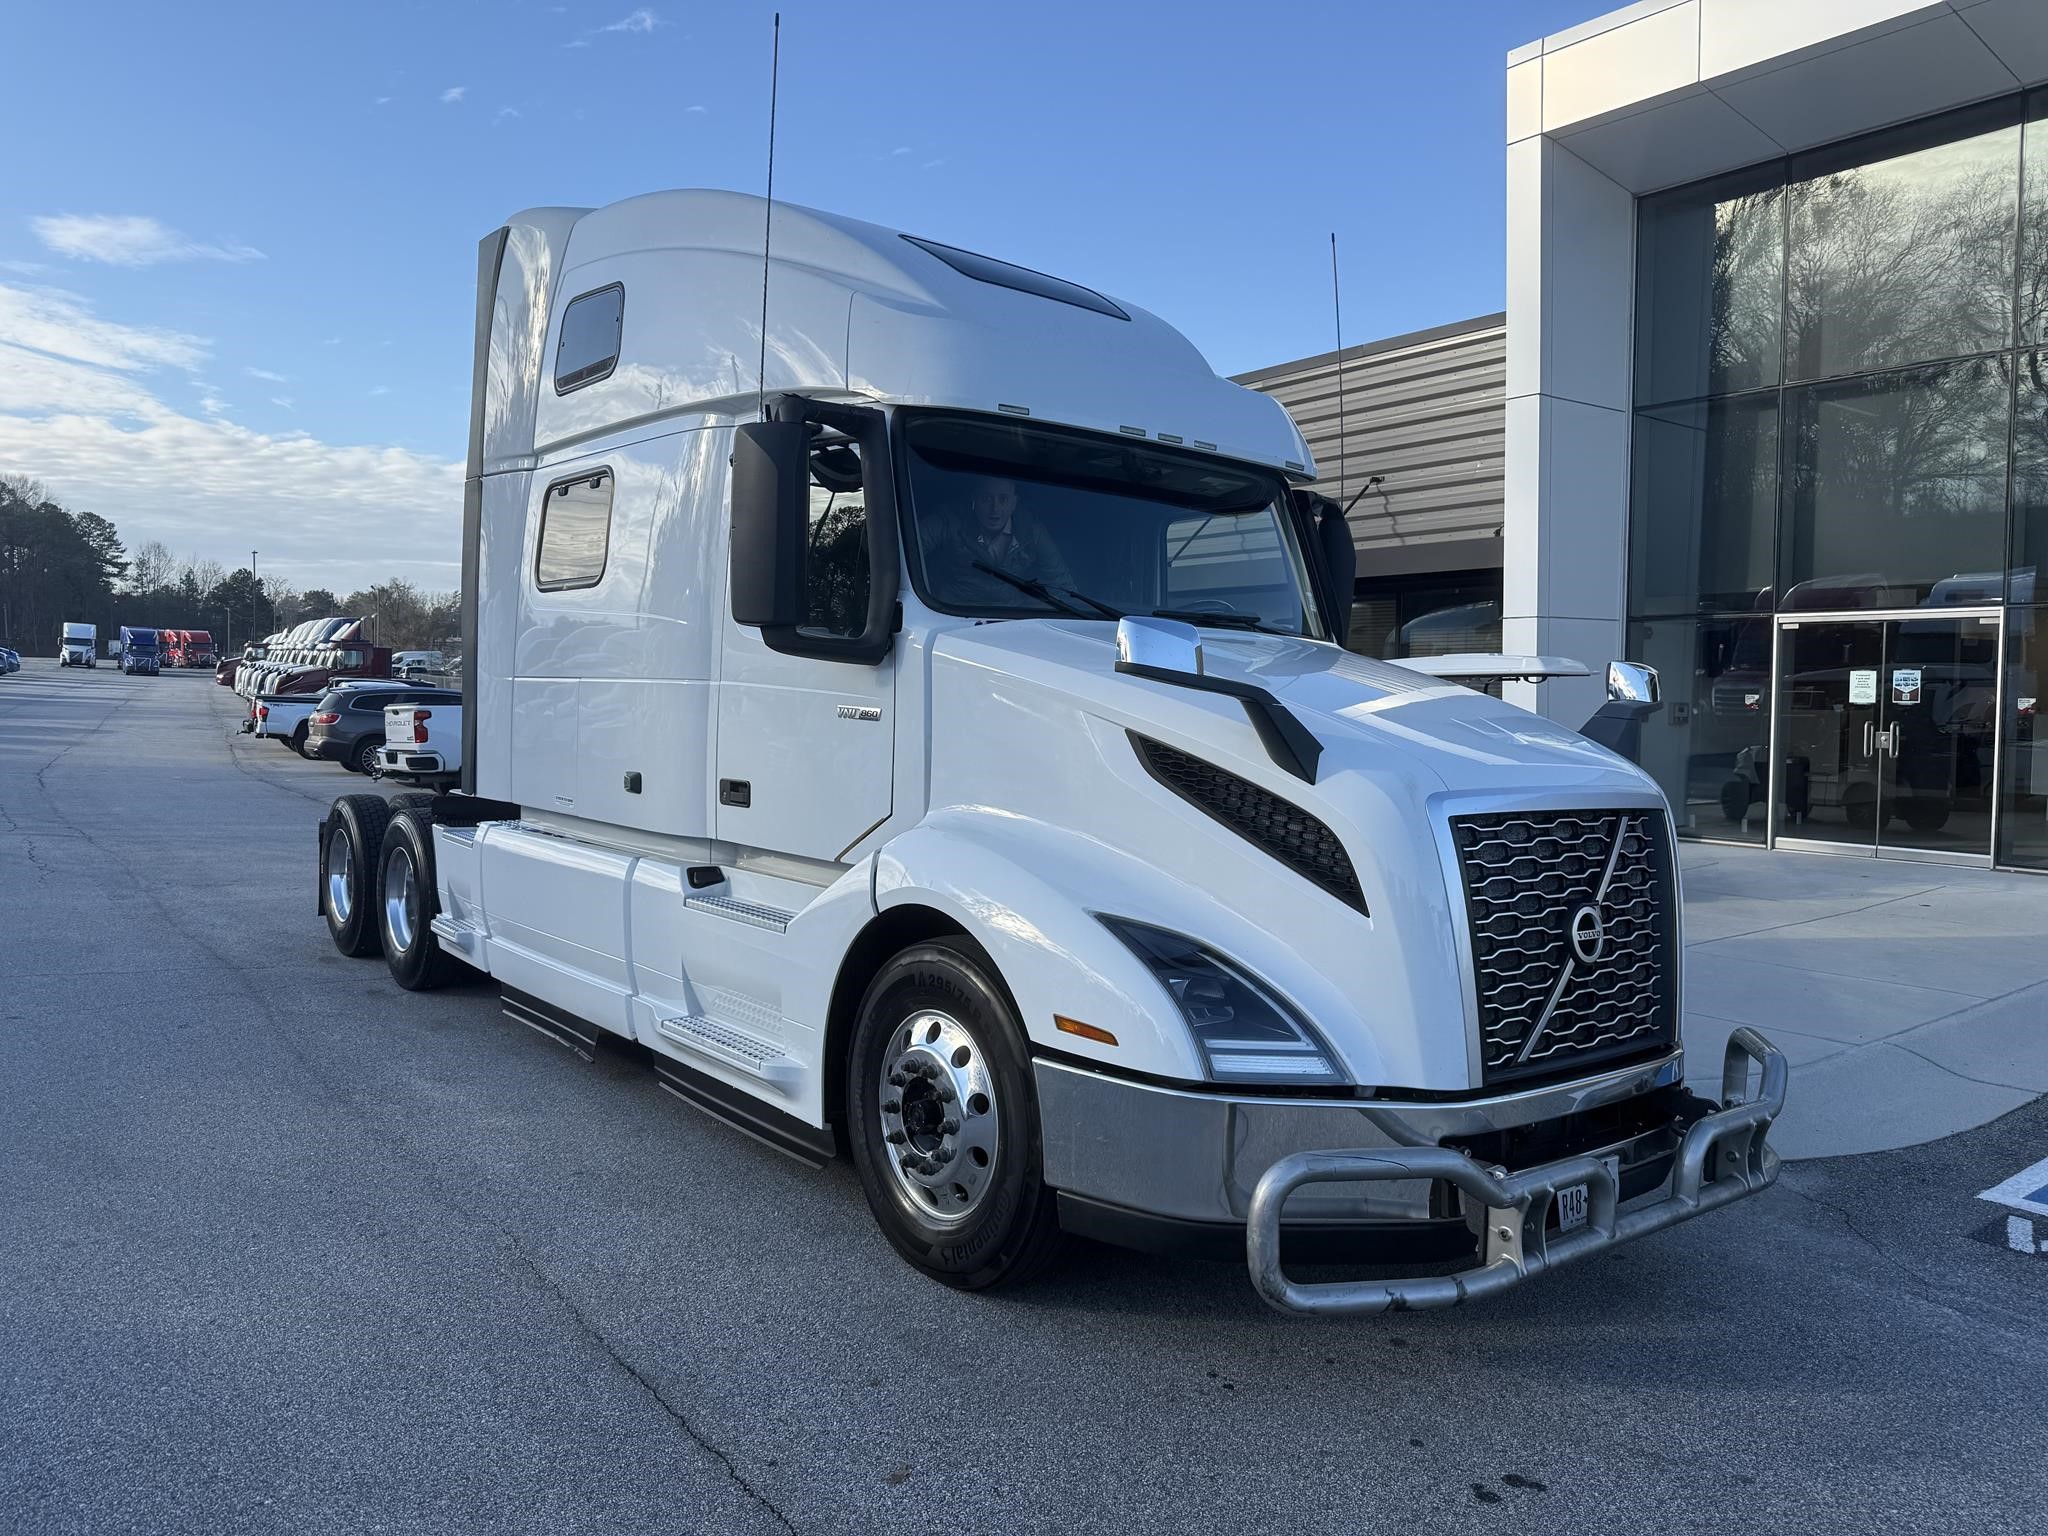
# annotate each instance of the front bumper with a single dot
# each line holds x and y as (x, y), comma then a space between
(1473, 1179)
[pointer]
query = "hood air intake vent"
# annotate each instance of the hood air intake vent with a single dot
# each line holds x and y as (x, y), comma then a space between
(1279, 826)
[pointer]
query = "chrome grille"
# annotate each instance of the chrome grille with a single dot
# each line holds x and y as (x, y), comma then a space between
(1574, 943)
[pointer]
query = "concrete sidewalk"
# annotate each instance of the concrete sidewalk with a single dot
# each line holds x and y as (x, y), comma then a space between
(1911, 999)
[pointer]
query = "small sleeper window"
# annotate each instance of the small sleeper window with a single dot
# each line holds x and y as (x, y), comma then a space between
(575, 532)
(589, 346)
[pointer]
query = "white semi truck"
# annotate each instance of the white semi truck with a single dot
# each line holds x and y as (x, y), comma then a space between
(79, 646)
(918, 731)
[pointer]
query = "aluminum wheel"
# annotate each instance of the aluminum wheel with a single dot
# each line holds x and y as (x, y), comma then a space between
(340, 862)
(939, 1117)
(401, 901)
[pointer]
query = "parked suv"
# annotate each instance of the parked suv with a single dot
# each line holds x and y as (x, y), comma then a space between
(348, 725)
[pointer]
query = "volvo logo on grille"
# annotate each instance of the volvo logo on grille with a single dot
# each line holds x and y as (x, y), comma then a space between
(1588, 934)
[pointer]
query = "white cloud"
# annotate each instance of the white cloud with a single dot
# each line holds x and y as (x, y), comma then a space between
(383, 101)
(899, 150)
(267, 376)
(504, 112)
(283, 400)
(381, 389)
(696, 109)
(51, 320)
(332, 341)
(76, 412)
(24, 268)
(455, 93)
(130, 240)
(642, 20)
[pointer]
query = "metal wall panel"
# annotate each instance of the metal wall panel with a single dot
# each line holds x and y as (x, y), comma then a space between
(1428, 413)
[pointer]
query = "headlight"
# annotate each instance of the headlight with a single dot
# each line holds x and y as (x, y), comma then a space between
(1245, 1033)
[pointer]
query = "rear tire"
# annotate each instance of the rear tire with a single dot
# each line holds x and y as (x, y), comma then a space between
(407, 900)
(937, 1045)
(298, 741)
(351, 843)
(364, 761)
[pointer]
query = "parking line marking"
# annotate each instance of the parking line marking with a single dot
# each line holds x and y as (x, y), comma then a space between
(2026, 1190)
(2019, 1234)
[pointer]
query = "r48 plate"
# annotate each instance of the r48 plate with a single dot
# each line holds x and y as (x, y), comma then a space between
(1572, 1203)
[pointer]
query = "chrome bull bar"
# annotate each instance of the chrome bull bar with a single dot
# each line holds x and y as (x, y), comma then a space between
(1721, 1158)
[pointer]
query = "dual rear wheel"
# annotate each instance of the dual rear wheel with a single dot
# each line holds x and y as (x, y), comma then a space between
(377, 886)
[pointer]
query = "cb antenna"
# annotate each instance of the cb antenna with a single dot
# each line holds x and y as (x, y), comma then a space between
(768, 219)
(1337, 304)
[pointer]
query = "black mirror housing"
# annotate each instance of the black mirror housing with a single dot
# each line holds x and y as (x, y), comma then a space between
(770, 511)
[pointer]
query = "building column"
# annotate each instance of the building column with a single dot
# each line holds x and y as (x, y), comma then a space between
(1571, 280)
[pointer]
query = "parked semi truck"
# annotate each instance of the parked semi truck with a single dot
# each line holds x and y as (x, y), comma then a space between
(79, 646)
(938, 751)
(141, 651)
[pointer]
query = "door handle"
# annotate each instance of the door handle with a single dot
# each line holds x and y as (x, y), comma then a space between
(1869, 738)
(1892, 742)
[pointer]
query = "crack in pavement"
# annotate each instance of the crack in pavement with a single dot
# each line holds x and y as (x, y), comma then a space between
(681, 1420)
(1929, 1291)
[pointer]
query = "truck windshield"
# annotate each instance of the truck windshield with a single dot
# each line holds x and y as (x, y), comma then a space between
(1013, 519)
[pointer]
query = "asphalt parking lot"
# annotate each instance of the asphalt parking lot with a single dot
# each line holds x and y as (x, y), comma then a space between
(283, 1248)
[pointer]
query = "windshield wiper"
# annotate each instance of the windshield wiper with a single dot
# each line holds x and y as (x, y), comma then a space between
(1199, 616)
(1046, 594)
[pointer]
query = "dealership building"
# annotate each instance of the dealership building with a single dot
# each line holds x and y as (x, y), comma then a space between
(1771, 414)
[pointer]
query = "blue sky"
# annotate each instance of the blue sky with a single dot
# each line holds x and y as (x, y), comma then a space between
(237, 246)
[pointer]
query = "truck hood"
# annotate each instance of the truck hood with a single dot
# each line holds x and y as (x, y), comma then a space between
(1442, 732)
(1046, 756)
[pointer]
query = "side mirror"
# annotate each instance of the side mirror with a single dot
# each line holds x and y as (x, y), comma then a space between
(1158, 646)
(1340, 566)
(771, 501)
(1633, 681)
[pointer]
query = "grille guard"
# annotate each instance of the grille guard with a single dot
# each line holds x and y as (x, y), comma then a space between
(1722, 1158)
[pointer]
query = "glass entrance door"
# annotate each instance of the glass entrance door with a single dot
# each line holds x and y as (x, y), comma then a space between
(1886, 734)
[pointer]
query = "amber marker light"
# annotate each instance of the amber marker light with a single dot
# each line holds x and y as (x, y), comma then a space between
(1067, 1026)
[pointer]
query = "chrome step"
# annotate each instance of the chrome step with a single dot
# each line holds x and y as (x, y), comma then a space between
(459, 938)
(716, 1040)
(749, 912)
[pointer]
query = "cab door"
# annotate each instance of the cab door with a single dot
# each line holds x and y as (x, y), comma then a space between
(805, 744)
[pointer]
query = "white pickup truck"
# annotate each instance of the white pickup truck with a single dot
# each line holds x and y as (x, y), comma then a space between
(938, 750)
(422, 744)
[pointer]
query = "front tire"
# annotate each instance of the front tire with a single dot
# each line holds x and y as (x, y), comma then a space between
(943, 1120)
(351, 845)
(407, 902)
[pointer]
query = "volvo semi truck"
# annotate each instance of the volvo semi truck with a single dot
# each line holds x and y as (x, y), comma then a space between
(921, 733)
(141, 651)
(79, 646)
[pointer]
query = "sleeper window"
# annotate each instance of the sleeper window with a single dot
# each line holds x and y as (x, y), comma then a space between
(575, 532)
(589, 346)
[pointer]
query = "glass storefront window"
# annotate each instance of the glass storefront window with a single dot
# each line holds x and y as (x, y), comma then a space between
(1709, 280)
(2033, 283)
(1894, 489)
(1435, 615)
(2030, 477)
(1704, 505)
(1709, 746)
(2023, 829)
(1906, 258)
